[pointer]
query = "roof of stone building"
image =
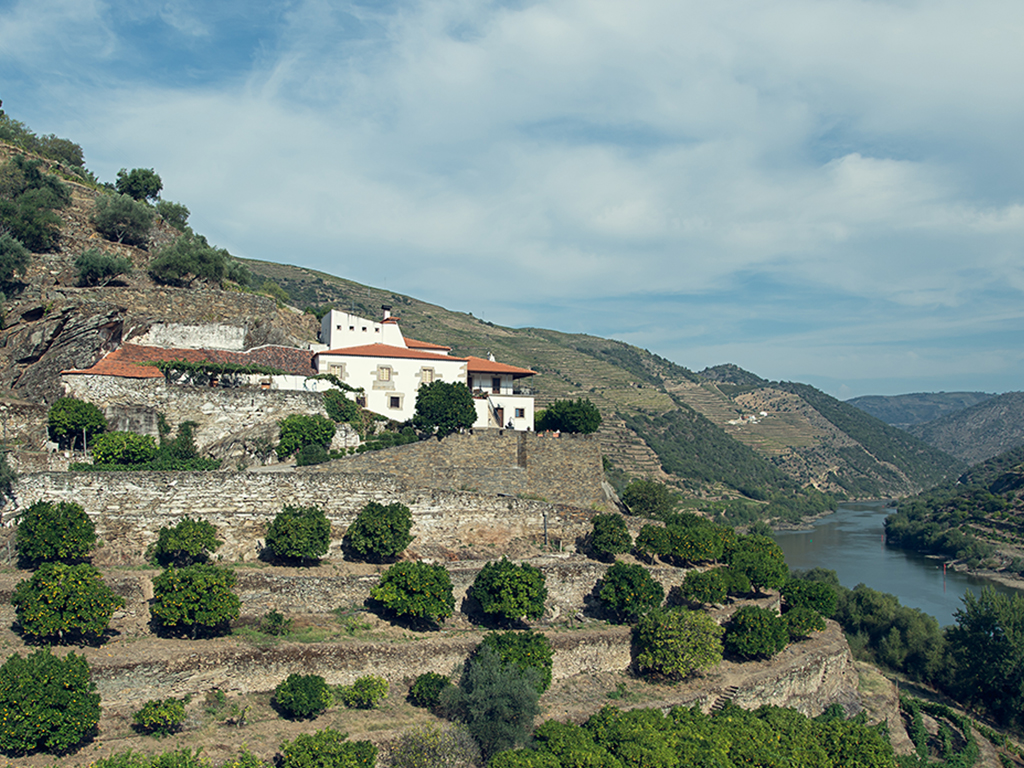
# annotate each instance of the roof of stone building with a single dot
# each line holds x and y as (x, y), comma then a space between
(386, 350)
(480, 365)
(130, 360)
(414, 344)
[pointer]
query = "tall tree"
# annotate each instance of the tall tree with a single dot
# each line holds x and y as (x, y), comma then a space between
(443, 408)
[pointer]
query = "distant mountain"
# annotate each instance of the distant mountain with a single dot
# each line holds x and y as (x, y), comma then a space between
(980, 432)
(904, 411)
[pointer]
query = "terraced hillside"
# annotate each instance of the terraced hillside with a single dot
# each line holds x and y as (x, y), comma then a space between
(645, 398)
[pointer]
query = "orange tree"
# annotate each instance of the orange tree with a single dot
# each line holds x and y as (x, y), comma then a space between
(195, 598)
(62, 601)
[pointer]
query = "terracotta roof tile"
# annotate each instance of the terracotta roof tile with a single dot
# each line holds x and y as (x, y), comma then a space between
(480, 365)
(414, 344)
(386, 350)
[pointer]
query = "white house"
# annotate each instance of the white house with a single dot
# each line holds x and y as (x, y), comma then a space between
(390, 369)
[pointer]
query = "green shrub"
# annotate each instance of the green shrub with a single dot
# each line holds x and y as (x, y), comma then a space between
(303, 696)
(299, 429)
(508, 591)
(524, 650)
(299, 533)
(429, 746)
(801, 621)
(191, 257)
(427, 689)
(61, 602)
(195, 598)
(609, 535)
(28, 199)
(705, 587)
(14, 258)
(123, 220)
(47, 703)
(327, 749)
(187, 543)
(579, 415)
(629, 590)
(72, 422)
(496, 701)
(817, 595)
(676, 643)
(340, 408)
(49, 532)
(653, 540)
(380, 531)
(95, 267)
(417, 590)
(139, 183)
(365, 693)
(649, 498)
(308, 455)
(174, 214)
(160, 717)
(443, 408)
(125, 448)
(736, 582)
(754, 631)
(274, 623)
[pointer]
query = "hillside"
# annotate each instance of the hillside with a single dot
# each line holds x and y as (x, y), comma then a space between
(701, 433)
(976, 518)
(979, 432)
(905, 411)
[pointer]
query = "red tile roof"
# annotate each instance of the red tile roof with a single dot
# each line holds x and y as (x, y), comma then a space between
(386, 350)
(128, 361)
(480, 365)
(413, 344)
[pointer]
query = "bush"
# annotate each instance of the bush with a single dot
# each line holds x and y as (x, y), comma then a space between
(64, 602)
(508, 591)
(123, 220)
(429, 746)
(801, 621)
(98, 268)
(677, 643)
(340, 408)
(308, 455)
(609, 535)
(817, 595)
(754, 631)
(299, 429)
(705, 587)
(630, 591)
(736, 582)
(653, 540)
(299, 533)
(139, 183)
(524, 650)
(195, 598)
(303, 696)
(365, 693)
(580, 416)
(496, 701)
(380, 531)
(72, 422)
(174, 214)
(124, 448)
(274, 623)
(160, 717)
(14, 258)
(7, 479)
(327, 749)
(443, 408)
(649, 498)
(191, 257)
(417, 590)
(47, 703)
(28, 199)
(427, 689)
(187, 543)
(49, 532)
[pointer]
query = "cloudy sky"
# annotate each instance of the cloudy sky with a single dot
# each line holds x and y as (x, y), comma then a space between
(828, 191)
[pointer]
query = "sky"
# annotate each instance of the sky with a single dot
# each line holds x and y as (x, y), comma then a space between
(825, 191)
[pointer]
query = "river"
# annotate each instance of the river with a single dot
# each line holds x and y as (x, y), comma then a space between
(851, 542)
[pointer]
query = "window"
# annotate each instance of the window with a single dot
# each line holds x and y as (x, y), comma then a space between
(426, 375)
(351, 327)
(394, 402)
(364, 329)
(337, 370)
(383, 373)
(520, 413)
(495, 385)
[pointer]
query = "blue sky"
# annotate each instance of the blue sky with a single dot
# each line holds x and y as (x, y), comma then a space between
(827, 191)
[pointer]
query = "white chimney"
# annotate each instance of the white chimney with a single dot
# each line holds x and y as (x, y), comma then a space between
(387, 310)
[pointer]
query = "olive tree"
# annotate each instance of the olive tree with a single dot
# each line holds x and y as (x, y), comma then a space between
(139, 183)
(122, 219)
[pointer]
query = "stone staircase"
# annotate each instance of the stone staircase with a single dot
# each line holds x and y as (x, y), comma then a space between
(725, 697)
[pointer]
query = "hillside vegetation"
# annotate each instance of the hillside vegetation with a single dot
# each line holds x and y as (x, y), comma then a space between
(979, 432)
(904, 411)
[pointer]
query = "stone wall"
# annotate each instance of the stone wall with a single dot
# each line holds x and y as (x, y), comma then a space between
(130, 507)
(23, 424)
(566, 469)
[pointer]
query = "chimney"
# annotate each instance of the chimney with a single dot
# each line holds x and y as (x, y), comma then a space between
(387, 310)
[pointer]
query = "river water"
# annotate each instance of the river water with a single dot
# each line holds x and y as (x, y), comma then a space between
(851, 542)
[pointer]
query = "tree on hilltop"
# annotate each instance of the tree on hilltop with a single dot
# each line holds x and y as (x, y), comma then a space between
(139, 183)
